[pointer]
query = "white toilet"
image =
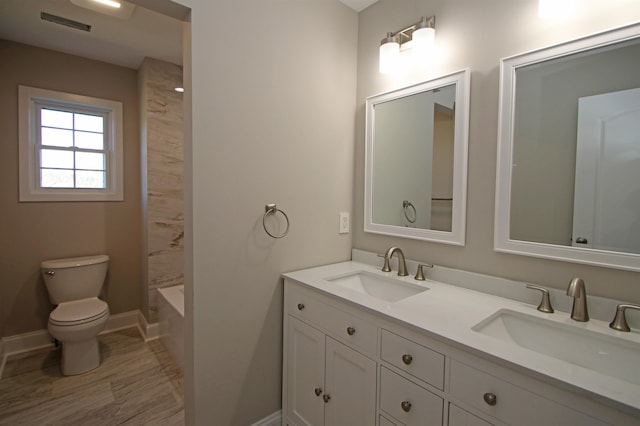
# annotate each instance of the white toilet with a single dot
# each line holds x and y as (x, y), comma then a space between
(74, 285)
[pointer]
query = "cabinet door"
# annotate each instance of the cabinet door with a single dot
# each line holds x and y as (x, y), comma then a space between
(459, 417)
(305, 374)
(350, 381)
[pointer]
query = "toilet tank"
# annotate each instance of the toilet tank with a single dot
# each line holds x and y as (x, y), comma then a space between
(74, 278)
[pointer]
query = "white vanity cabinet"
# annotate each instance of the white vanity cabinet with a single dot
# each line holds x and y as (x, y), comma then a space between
(347, 365)
(326, 382)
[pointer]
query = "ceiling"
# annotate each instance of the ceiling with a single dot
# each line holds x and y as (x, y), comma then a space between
(112, 39)
(358, 5)
(117, 40)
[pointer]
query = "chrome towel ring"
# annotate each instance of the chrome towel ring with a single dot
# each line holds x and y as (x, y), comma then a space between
(407, 205)
(271, 209)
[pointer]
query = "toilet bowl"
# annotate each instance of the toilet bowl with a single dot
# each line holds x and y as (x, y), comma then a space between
(77, 324)
(73, 285)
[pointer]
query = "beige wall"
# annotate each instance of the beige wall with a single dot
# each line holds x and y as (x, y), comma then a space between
(477, 34)
(32, 232)
(273, 122)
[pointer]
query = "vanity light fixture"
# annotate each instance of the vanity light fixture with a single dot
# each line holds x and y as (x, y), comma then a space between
(419, 38)
(556, 9)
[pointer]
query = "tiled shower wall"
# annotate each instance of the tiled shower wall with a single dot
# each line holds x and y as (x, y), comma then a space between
(162, 176)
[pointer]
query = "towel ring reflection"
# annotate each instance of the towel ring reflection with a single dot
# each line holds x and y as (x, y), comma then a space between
(407, 205)
(271, 209)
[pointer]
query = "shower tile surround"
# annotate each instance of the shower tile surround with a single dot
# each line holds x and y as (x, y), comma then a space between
(163, 160)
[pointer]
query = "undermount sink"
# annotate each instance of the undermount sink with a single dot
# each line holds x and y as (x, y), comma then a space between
(384, 288)
(608, 355)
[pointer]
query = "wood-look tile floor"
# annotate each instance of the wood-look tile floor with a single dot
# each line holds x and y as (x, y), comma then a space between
(137, 383)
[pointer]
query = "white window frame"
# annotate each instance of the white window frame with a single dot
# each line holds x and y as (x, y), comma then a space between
(29, 101)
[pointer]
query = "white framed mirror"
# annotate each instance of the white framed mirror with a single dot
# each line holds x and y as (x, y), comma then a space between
(568, 164)
(416, 160)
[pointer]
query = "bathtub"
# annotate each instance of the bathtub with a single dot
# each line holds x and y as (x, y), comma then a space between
(171, 321)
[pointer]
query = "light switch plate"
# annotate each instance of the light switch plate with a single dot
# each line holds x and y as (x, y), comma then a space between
(344, 223)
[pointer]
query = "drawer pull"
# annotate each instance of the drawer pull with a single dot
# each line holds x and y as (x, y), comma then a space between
(318, 391)
(351, 331)
(407, 359)
(326, 397)
(406, 406)
(300, 306)
(490, 398)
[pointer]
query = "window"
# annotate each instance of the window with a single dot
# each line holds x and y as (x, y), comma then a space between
(70, 147)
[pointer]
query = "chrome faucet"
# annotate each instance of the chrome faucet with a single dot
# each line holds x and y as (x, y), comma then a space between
(402, 264)
(578, 291)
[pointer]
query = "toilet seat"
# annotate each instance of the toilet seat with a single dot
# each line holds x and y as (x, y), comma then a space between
(79, 312)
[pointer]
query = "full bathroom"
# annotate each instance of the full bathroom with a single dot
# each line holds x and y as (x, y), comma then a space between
(276, 140)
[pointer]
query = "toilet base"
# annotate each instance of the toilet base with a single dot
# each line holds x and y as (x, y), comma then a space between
(80, 357)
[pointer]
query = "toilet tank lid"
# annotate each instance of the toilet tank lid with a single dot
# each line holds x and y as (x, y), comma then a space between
(72, 262)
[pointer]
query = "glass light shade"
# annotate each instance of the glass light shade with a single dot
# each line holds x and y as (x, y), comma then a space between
(389, 57)
(556, 9)
(423, 45)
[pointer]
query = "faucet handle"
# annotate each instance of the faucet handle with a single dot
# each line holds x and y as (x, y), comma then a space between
(420, 273)
(545, 302)
(385, 267)
(620, 321)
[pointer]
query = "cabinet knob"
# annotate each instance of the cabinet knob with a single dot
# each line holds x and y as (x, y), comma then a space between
(406, 406)
(407, 359)
(300, 306)
(490, 398)
(351, 331)
(326, 397)
(318, 391)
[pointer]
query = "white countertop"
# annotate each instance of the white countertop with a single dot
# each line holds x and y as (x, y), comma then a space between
(449, 312)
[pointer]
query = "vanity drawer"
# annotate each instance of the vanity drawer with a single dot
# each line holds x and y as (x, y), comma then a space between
(459, 417)
(508, 402)
(415, 359)
(386, 422)
(408, 402)
(340, 324)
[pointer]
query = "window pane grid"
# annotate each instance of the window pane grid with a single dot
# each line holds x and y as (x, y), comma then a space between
(79, 134)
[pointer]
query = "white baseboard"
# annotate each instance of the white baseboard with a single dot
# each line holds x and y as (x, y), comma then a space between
(121, 321)
(274, 419)
(19, 343)
(26, 342)
(148, 331)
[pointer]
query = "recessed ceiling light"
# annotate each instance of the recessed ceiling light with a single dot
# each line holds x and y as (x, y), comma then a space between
(179, 89)
(116, 8)
(109, 3)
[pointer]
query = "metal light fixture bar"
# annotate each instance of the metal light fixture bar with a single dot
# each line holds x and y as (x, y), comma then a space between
(404, 35)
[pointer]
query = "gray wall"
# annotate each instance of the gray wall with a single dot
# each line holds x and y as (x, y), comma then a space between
(272, 112)
(32, 232)
(403, 159)
(273, 101)
(477, 34)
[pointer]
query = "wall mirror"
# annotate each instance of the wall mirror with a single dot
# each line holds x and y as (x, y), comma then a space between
(568, 171)
(416, 160)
